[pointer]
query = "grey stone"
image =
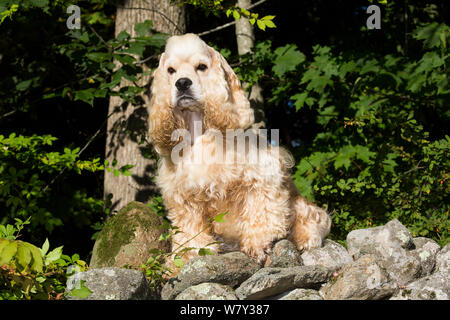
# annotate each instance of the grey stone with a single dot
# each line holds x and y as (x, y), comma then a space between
(302, 294)
(443, 260)
(402, 266)
(393, 245)
(426, 251)
(284, 254)
(433, 287)
(331, 254)
(364, 279)
(383, 239)
(229, 269)
(208, 291)
(127, 237)
(268, 282)
(110, 284)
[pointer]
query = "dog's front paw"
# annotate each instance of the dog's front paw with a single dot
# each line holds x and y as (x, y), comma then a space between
(311, 242)
(260, 254)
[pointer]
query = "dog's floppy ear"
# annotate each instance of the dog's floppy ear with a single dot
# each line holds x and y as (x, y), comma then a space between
(159, 83)
(233, 81)
(161, 122)
(239, 97)
(158, 71)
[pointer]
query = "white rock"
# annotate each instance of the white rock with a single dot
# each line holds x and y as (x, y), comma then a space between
(331, 254)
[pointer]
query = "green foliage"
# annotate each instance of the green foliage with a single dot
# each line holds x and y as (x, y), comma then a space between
(26, 168)
(218, 7)
(8, 13)
(29, 272)
(12, 232)
(82, 291)
(372, 158)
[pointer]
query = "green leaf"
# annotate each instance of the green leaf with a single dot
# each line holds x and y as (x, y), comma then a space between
(205, 252)
(261, 25)
(344, 156)
(82, 291)
(37, 262)
(142, 28)
(98, 56)
(288, 58)
(8, 252)
(85, 95)
(270, 24)
(123, 35)
(23, 257)
(318, 84)
(325, 115)
(430, 34)
(124, 58)
(136, 48)
(219, 217)
(304, 185)
(39, 3)
(164, 236)
(299, 100)
(363, 153)
(53, 255)
(24, 85)
(178, 262)
(45, 247)
(3, 243)
(84, 37)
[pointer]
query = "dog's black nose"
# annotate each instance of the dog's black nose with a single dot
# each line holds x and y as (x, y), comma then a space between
(183, 84)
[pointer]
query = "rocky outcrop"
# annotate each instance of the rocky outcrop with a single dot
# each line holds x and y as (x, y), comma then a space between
(208, 291)
(300, 294)
(383, 262)
(393, 246)
(363, 279)
(331, 255)
(127, 238)
(229, 269)
(284, 254)
(109, 284)
(268, 282)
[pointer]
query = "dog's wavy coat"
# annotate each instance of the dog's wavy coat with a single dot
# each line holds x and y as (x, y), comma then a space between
(194, 83)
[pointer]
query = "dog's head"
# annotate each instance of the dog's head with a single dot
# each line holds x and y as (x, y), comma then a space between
(196, 83)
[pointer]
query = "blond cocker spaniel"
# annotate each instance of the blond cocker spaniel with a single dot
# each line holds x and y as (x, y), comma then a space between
(198, 110)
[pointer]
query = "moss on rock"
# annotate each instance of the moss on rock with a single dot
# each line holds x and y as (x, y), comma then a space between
(127, 238)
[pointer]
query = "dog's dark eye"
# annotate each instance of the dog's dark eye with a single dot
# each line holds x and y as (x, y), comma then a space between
(170, 70)
(202, 67)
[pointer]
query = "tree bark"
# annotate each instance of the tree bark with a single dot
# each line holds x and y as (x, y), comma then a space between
(127, 124)
(245, 38)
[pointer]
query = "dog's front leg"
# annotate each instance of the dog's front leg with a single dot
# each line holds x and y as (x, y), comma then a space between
(264, 219)
(192, 233)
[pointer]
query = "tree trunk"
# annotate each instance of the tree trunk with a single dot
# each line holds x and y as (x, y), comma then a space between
(127, 124)
(245, 42)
